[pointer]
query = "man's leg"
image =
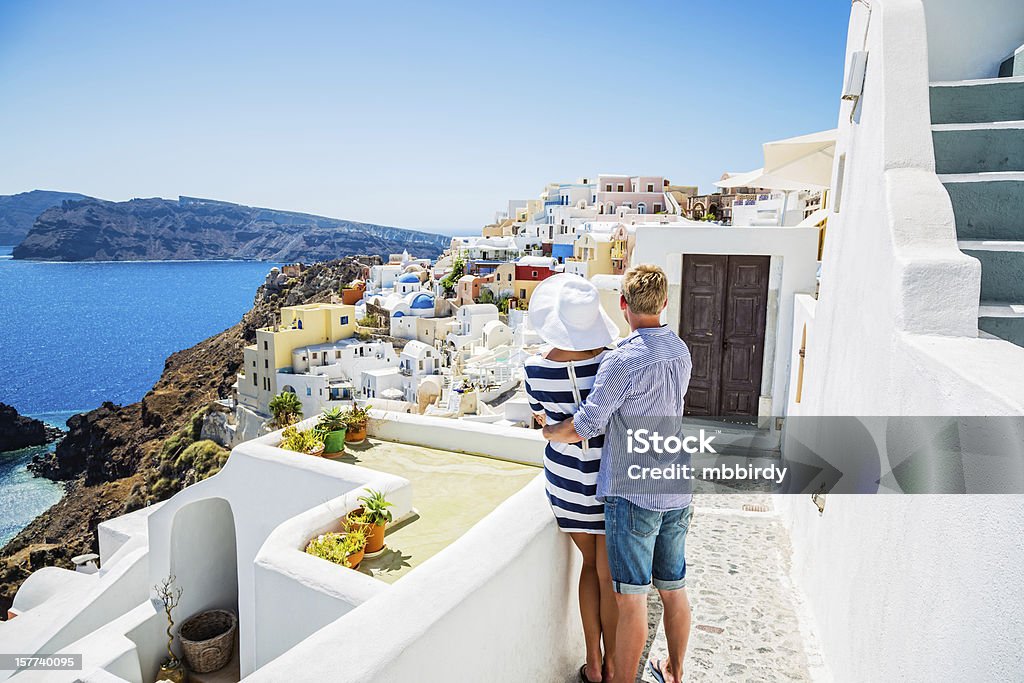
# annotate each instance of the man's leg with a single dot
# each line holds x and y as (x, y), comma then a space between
(630, 635)
(630, 537)
(677, 632)
(669, 571)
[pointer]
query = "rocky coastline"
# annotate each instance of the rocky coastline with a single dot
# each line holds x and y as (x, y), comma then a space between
(18, 431)
(117, 458)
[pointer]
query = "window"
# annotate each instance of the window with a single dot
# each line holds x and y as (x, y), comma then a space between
(314, 355)
(522, 293)
(265, 345)
(266, 364)
(608, 188)
(344, 320)
(254, 380)
(641, 208)
(309, 391)
(300, 324)
(534, 273)
(650, 187)
(337, 354)
(657, 208)
(619, 188)
(611, 208)
(254, 363)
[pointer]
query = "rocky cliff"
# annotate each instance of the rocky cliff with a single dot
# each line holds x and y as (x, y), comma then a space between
(188, 228)
(18, 431)
(18, 212)
(117, 458)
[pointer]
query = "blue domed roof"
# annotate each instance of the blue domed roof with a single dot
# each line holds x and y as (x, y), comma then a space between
(422, 301)
(409, 277)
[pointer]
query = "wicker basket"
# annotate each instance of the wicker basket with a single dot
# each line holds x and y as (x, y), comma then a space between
(208, 640)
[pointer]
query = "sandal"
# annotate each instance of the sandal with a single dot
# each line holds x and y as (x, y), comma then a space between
(583, 675)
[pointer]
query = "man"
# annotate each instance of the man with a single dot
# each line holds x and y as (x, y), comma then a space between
(645, 377)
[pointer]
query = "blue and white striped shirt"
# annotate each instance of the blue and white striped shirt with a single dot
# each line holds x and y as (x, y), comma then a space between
(646, 376)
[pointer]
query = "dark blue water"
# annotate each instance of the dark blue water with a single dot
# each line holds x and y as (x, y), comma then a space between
(73, 335)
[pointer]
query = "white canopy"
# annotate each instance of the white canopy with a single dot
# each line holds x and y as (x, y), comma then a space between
(760, 179)
(804, 159)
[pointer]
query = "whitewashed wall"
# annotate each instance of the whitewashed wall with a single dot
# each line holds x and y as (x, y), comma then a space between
(916, 588)
(968, 39)
(499, 604)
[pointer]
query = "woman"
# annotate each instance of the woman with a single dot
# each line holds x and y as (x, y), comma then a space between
(565, 311)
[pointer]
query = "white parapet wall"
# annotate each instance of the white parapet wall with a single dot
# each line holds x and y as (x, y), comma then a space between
(908, 587)
(514, 444)
(499, 604)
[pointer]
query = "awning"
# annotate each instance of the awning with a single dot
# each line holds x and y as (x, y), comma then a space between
(804, 159)
(758, 178)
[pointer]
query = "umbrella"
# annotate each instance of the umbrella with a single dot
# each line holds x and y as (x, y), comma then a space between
(758, 178)
(804, 159)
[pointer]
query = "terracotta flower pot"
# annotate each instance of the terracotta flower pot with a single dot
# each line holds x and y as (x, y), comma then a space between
(356, 434)
(318, 452)
(355, 558)
(375, 541)
(334, 442)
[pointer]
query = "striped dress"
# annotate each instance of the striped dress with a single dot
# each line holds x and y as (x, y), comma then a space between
(570, 469)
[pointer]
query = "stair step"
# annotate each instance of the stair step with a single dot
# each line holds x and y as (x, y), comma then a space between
(1002, 268)
(987, 205)
(978, 147)
(978, 101)
(1002, 320)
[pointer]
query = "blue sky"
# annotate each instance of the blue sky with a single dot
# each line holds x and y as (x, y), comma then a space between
(427, 115)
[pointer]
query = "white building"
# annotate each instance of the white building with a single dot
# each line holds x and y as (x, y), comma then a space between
(382, 277)
(471, 320)
(327, 375)
(417, 361)
(430, 331)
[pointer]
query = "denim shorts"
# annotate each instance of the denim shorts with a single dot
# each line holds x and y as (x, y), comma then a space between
(645, 545)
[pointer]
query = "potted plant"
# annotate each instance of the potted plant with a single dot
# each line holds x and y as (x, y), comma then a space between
(340, 547)
(332, 422)
(286, 409)
(171, 669)
(376, 516)
(355, 422)
(309, 441)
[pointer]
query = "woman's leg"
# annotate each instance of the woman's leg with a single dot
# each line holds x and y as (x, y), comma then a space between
(590, 603)
(609, 611)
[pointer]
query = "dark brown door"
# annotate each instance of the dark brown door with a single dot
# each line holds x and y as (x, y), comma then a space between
(703, 301)
(724, 303)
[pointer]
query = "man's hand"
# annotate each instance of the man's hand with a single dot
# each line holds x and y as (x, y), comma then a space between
(563, 432)
(540, 419)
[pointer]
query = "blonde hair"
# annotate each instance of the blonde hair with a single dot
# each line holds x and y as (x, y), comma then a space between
(645, 289)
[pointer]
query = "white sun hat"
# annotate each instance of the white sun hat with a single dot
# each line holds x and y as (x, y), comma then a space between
(566, 312)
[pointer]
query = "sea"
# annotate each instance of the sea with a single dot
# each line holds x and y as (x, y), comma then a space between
(73, 335)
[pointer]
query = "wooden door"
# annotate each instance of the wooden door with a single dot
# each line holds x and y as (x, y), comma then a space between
(724, 304)
(703, 302)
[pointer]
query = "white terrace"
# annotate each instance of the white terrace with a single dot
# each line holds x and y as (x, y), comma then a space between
(473, 534)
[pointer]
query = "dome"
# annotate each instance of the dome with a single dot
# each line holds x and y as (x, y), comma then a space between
(409, 277)
(422, 301)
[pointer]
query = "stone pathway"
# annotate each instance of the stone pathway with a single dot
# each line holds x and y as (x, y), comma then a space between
(745, 610)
